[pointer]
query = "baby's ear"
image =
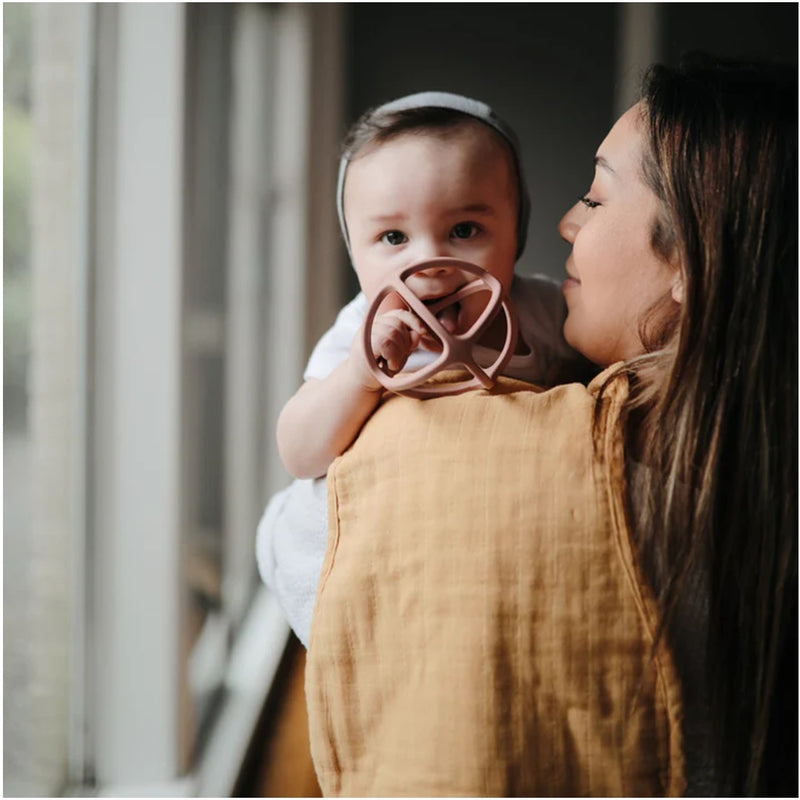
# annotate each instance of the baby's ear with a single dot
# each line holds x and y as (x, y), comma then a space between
(677, 287)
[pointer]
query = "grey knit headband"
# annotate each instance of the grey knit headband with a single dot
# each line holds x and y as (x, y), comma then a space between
(466, 105)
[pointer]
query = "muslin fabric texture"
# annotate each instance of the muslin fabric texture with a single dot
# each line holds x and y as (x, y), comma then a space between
(481, 626)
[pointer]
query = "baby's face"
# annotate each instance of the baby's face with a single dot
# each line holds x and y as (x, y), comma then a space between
(421, 196)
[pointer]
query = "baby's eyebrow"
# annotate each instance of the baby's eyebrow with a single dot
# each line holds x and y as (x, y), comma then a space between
(399, 216)
(473, 208)
(385, 218)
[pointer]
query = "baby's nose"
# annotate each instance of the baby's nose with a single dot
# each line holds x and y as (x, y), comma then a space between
(437, 270)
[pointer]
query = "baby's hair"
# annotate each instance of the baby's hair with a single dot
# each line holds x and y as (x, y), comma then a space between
(377, 126)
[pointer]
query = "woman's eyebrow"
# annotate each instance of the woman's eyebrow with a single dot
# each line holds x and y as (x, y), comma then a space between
(599, 161)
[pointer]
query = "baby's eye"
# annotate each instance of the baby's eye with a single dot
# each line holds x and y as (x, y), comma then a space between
(588, 202)
(464, 230)
(394, 238)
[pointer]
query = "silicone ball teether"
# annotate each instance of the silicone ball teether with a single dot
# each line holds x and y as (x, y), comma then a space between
(456, 348)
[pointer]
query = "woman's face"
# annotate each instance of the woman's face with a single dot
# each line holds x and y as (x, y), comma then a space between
(613, 275)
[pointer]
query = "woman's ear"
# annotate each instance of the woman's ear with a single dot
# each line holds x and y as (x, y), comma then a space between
(677, 287)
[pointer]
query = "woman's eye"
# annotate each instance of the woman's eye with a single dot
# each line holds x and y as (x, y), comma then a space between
(394, 238)
(465, 230)
(588, 202)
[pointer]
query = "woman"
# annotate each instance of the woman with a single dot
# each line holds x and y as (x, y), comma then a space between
(716, 410)
(683, 279)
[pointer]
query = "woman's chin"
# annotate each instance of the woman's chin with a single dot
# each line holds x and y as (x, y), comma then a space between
(574, 339)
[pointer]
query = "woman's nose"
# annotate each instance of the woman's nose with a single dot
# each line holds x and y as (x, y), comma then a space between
(569, 225)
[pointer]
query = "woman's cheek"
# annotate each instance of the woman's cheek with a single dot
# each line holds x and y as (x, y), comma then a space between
(587, 251)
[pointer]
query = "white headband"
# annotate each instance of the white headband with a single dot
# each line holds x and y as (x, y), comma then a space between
(465, 105)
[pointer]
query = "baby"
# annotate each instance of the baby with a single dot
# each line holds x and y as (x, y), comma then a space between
(433, 174)
(428, 175)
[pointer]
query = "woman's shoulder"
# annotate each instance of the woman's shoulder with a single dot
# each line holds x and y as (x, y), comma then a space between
(610, 381)
(613, 378)
(515, 413)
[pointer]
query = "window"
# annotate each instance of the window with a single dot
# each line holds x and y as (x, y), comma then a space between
(178, 157)
(20, 706)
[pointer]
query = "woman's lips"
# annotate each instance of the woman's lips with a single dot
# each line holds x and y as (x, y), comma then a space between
(570, 283)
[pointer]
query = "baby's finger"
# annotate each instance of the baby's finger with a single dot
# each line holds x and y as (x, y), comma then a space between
(393, 341)
(407, 319)
(411, 320)
(395, 345)
(395, 355)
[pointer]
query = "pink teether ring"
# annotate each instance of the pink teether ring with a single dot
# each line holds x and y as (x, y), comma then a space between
(456, 348)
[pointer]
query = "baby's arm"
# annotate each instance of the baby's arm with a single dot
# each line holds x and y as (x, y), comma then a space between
(321, 420)
(324, 416)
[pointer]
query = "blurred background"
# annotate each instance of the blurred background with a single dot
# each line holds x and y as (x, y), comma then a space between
(171, 254)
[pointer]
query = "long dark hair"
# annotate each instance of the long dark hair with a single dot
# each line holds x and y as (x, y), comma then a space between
(719, 509)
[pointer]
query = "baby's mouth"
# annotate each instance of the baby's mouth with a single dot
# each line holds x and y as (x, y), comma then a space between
(447, 315)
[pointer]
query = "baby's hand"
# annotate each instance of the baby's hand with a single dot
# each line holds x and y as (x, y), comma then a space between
(395, 335)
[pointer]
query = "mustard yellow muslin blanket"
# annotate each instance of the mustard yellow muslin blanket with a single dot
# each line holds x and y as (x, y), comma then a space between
(481, 627)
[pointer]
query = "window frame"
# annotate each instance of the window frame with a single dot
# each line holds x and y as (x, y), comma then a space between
(131, 696)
